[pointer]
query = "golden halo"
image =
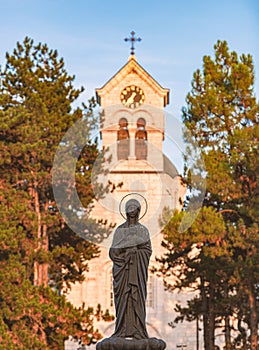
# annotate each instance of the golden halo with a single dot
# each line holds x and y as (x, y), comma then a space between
(129, 196)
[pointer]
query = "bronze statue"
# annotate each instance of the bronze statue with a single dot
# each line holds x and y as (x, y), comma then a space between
(130, 252)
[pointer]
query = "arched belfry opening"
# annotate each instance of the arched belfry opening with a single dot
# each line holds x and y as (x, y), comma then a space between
(141, 139)
(123, 140)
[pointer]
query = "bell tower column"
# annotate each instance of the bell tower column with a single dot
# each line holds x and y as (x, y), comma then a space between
(132, 155)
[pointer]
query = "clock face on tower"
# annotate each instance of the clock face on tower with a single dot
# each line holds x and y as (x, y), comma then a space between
(132, 96)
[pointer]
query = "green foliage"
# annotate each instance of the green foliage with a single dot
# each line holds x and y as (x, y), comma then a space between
(31, 317)
(36, 100)
(37, 248)
(218, 255)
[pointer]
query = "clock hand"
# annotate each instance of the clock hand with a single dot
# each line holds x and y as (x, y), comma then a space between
(131, 98)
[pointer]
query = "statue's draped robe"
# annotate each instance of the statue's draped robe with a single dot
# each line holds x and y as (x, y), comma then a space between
(130, 253)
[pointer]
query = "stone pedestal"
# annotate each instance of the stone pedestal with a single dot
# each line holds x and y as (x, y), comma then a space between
(115, 343)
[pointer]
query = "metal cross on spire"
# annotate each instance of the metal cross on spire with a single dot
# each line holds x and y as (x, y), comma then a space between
(133, 39)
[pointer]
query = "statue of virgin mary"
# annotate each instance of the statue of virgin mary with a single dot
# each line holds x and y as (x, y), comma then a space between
(130, 253)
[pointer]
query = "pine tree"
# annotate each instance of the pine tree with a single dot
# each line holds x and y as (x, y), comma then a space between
(222, 117)
(38, 249)
(36, 110)
(31, 317)
(193, 259)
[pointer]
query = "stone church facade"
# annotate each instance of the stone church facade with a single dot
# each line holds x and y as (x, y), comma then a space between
(132, 130)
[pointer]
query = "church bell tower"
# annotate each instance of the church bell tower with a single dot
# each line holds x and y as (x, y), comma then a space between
(132, 130)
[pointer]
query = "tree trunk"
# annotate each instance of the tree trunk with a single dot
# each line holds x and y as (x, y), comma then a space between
(211, 318)
(204, 314)
(253, 319)
(243, 334)
(197, 334)
(40, 270)
(227, 333)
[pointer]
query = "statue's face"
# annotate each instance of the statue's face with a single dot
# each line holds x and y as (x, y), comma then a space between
(132, 211)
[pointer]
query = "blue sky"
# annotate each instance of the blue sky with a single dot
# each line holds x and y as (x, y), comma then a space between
(175, 36)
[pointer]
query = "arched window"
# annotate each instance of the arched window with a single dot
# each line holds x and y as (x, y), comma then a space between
(141, 139)
(123, 139)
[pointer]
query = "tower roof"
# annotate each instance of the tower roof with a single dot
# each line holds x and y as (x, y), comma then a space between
(132, 66)
(169, 167)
